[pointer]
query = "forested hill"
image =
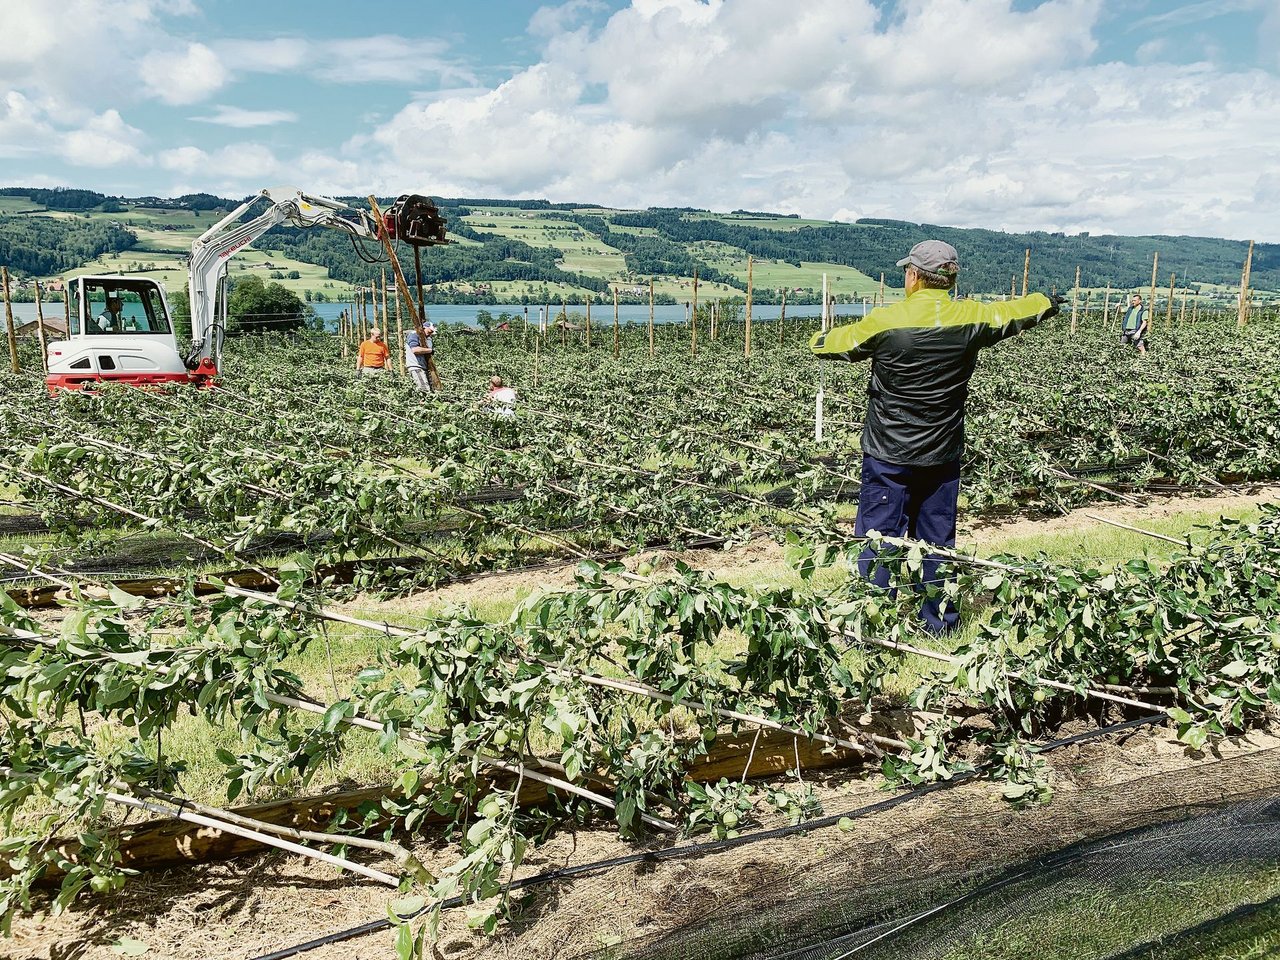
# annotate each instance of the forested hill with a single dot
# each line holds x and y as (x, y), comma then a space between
(989, 259)
(517, 243)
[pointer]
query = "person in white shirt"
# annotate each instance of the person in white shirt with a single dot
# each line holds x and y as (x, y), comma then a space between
(501, 398)
(110, 319)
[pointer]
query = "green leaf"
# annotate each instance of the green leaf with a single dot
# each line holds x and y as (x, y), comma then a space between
(128, 947)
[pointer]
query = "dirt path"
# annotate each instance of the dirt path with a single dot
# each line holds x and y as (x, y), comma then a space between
(763, 557)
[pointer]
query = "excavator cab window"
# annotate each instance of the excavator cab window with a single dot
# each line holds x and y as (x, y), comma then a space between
(124, 306)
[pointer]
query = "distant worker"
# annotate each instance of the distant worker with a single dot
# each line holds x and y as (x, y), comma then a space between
(371, 358)
(501, 398)
(923, 351)
(1133, 329)
(418, 361)
(110, 319)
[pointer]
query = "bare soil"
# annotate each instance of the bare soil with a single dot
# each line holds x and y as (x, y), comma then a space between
(253, 906)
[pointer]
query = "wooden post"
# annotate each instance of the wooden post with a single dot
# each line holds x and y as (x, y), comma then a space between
(882, 289)
(1151, 304)
(746, 344)
(564, 322)
(1026, 270)
(1168, 310)
(1013, 287)
(1106, 306)
(651, 318)
(782, 317)
(615, 323)
(44, 348)
(546, 317)
(588, 323)
(1075, 296)
(693, 330)
(8, 321)
(537, 350)
(715, 320)
(1182, 309)
(1084, 311)
(385, 325)
(1241, 318)
(825, 305)
(400, 338)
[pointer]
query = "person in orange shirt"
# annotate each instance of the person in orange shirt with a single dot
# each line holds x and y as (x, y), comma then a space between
(371, 358)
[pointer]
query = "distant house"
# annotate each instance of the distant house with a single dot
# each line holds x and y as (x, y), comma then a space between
(53, 327)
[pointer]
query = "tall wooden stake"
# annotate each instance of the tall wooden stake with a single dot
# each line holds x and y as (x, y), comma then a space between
(615, 323)
(881, 297)
(1182, 309)
(1151, 304)
(1013, 287)
(1243, 316)
(8, 321)
(782, 318)
(589, 323)
(1026, 270)
(399, 338)
(826, 305)
(651, 318)
(1168, 310)
(746, 344)
(44, 347)
(1106, 306)
(564, 320)
(693, 330)
(1075, 295)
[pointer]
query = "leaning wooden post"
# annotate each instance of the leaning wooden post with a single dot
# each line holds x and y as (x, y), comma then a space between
(746, 344)
(782, 318)
(1242, 316)
(693, 330)
(1026, 270)
(1075, 296)
(44, 348)
(651, 318)
(1168, 310)
(615, 323)
(8, 321)
(1151, 304)
(385, 325)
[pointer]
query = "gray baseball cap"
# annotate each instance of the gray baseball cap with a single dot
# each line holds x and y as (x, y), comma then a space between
(934, 256)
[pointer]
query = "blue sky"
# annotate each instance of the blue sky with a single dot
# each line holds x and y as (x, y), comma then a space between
(1131, 116)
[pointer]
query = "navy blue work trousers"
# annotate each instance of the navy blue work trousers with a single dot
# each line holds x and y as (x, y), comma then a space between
(915, 502)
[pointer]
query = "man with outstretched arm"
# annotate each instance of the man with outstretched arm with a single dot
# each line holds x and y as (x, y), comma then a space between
(923, 351)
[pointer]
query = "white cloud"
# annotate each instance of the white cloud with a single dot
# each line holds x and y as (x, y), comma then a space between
(229, 116)
(188, 160)
(183, 76)
(383, 58)
(973, 112)
(105, 141)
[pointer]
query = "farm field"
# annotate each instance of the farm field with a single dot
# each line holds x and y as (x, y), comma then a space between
(625, 617)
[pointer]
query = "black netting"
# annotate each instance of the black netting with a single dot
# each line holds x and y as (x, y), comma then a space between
(1174, 865)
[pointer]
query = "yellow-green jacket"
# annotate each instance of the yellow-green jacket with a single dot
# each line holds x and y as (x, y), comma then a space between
(923, 352)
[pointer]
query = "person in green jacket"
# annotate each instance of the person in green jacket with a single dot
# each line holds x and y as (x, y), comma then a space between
(1133, 329)
(923, 351)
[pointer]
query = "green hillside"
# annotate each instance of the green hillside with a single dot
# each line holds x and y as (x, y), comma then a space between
(534, 251)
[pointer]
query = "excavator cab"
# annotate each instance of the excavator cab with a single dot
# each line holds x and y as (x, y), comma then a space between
(121, 331)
